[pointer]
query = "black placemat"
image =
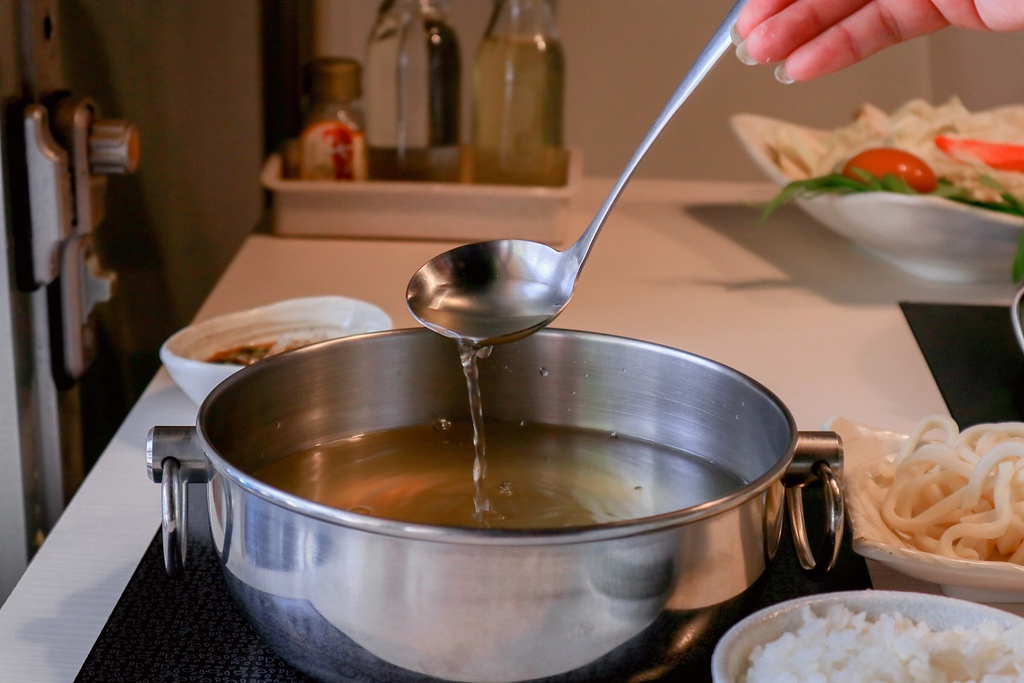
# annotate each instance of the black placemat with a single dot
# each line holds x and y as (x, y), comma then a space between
(974, 358)
(165, 630)
(191, 630)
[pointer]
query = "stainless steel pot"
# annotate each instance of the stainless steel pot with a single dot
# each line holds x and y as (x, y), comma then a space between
(337, 593)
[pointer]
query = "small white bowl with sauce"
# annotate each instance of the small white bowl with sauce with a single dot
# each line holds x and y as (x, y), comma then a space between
(202, 355)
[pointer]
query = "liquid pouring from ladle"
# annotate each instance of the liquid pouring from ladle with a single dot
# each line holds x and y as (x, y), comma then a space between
(503, 290)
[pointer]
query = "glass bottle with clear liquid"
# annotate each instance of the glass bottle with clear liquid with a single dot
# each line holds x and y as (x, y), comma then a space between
(411, 93)
(518, 84)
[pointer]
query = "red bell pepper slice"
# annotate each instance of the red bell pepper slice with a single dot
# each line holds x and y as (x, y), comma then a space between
(1001, 155)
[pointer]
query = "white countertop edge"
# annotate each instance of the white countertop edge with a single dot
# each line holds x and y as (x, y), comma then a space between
(70, 588)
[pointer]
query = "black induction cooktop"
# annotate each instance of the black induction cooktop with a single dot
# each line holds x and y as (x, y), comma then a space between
(190, 630)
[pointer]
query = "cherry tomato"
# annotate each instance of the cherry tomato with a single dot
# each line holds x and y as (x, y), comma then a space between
(888, 161)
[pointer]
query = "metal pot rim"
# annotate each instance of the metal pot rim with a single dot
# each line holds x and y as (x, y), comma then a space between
(485, 536)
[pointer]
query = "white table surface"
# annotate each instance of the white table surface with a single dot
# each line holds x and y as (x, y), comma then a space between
(679, 263)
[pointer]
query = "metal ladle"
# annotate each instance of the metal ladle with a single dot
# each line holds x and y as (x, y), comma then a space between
(502, 290)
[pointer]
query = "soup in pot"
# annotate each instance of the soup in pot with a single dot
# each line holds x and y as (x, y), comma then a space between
(538, 476)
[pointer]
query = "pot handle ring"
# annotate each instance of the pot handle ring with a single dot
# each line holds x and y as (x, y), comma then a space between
(179, 462)
(818, 459)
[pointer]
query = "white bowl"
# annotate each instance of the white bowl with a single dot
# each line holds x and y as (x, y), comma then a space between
(293, 322)
(930, 237)
(731, 655)
(864, 488)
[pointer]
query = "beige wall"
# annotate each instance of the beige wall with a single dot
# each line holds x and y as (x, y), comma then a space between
(984, 69)
(625, 57)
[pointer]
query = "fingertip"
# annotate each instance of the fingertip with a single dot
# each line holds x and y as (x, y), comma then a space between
(748, 18)
(743, 54)
(813, 61)
(782, 75)
(761, 44)
(734, 33)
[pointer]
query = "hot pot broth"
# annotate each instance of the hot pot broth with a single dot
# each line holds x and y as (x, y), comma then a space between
(716, 431)
(493, 474)
(538, 476)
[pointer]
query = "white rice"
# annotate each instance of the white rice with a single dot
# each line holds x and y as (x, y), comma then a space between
(849, 647)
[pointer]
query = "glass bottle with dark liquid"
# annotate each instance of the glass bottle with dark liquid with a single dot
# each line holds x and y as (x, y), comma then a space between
(411, 93)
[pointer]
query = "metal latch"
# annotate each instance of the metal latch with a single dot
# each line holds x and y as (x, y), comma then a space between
(66, 201)
(49, 193)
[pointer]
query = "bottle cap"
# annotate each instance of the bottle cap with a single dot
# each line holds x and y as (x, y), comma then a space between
(334, 79)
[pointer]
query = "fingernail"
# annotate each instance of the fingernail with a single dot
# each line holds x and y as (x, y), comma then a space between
(781, 75)
(736, 37)
(743, 55)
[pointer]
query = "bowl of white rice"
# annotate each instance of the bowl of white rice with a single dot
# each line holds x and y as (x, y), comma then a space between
(873, 636)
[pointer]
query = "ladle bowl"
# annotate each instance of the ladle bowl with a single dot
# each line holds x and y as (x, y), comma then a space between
(503, 290)
(492, 292)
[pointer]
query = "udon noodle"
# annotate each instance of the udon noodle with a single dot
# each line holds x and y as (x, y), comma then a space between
(960, 494)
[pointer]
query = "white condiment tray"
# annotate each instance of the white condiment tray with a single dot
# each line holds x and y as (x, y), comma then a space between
(419, 210)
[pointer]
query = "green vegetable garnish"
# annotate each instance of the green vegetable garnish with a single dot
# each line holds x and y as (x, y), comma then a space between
(838, 183)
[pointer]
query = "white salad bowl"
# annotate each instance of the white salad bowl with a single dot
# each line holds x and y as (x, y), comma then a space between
(927, 236)
(864, 487)
(287, 324)
(731, 659)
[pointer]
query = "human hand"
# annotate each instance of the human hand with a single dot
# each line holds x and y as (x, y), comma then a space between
(811, 38)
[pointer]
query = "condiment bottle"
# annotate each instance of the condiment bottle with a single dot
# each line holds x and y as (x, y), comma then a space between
(518, 81)
(413, 75)
(332, 141)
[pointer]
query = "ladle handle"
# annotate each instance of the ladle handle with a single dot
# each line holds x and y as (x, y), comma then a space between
(716, 47)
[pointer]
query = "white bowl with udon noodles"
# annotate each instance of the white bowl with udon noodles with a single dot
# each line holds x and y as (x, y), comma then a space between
(941, 505)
